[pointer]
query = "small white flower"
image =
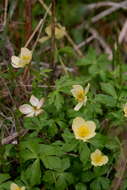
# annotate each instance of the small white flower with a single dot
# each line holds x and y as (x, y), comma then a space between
(23, 60)
(33, 110)
(80, 95)
(14, 186)
(83, 130)
(98, 158)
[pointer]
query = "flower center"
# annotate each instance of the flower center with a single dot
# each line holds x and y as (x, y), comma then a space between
(80, 96)
(98, 158)
(18, 188)
(83, 131)
(25, 58)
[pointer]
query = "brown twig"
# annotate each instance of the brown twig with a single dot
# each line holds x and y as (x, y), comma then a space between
(41, 26)
(34, 32)
(28, 18)
(12, 137)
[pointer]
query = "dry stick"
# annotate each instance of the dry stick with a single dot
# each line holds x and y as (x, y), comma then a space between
(100, 39)
(38, 27)
(42, 24)
(88, 40)
(53, 45)
(123, 33)
(26, 71)
(103, 4)
(78, 51)
(28, 18)
(5, 12)
(108, 11)
(10, 138)
(34, 32)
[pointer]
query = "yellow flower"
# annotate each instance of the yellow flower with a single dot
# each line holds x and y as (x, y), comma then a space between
(125, 110)
(98, 158)
(59, 33)
(24, 58)
(80, 95)
(33, 110)
(16, 187)
(82, 129)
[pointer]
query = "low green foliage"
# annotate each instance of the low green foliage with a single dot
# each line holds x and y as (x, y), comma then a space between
(49, 155)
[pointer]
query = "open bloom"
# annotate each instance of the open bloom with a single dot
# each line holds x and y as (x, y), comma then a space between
(98, 158)
(16, 187)
(23, 59)
(59, 33)
(80, 95)
(125, 110)
(82, 129)
(34, 109)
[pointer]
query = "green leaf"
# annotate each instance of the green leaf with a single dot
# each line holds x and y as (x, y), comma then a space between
(35, 173)
(109, 89)
(95, 185)
(99, 141)
(49, 177)
(106, 100)
(57, 99)
(32, 175)
(50, 150)
(51, 162)
(4, 177)
(80, 186)
(84, 153)
(63, 180)
(105, 183)
(98, 171)
(87, 176)
(65, 163)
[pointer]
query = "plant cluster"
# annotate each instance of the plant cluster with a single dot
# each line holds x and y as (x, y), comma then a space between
(77, 138)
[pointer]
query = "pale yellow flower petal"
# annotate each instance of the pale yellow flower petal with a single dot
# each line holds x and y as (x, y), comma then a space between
(87, 88)
(77, 122)
(26, 109)
(25, 56)
(40, 104)
(34, 101)
(15, 61)
(59, 31)
(25, 52)
(44, 39)
(23, 188)
(14, 187)
(85, 100)
(30, 114)
(78, 106)
(76, 89)
(125, 110)
(91, 125)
